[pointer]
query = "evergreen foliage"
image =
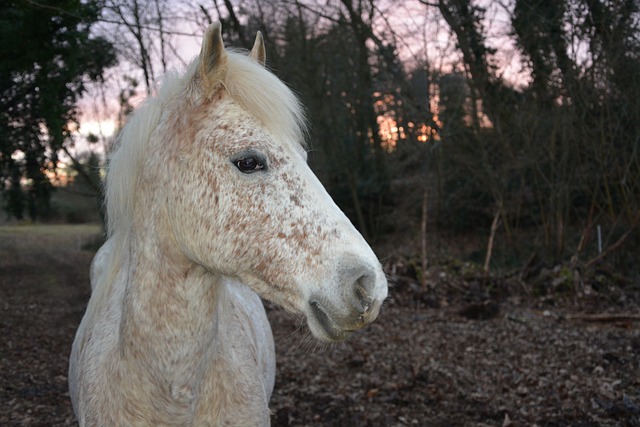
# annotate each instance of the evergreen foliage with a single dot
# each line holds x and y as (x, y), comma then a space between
(48, 54)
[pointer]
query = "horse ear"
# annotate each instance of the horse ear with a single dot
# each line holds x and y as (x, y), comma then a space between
(258, 52)
(213, 57)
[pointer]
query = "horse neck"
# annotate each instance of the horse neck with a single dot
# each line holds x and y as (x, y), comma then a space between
(170, 304)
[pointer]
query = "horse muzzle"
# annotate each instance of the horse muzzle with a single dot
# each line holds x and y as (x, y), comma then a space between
(360, 304)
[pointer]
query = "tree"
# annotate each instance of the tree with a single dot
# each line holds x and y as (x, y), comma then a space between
(142, 36)
(48, 55)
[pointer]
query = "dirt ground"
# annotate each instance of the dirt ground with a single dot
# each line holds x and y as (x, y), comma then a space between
(463, 353)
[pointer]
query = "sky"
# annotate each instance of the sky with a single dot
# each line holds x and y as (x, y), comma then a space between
(419, 33)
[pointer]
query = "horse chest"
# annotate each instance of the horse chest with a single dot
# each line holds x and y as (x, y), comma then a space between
(141, 376)
(234, 382)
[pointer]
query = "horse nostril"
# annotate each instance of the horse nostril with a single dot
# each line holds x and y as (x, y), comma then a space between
(362, 291)
(363, 300)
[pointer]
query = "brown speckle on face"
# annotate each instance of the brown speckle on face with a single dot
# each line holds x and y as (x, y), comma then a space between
(296, 200)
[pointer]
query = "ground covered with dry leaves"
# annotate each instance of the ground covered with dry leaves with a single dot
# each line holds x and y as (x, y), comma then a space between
(466, 351)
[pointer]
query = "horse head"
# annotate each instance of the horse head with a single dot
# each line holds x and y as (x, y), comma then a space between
(235, 195)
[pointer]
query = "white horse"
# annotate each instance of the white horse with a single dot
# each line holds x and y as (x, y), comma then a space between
(211, 203)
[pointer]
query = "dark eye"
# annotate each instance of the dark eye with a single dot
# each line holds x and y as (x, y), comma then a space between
(249, 165)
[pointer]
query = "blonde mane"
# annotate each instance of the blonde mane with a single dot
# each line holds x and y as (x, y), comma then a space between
(257, 90)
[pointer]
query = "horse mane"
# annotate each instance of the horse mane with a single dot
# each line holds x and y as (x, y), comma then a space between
(252, 86)
(266, 97)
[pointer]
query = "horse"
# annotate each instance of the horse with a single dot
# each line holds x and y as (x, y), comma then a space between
(210, 206)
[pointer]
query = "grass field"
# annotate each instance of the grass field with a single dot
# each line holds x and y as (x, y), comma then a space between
(42, 256)
(26, 237)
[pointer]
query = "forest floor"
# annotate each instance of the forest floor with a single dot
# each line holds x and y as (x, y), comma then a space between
(466, 351)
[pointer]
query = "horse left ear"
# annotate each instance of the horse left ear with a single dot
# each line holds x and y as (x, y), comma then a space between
(213, 57)
(258, 52)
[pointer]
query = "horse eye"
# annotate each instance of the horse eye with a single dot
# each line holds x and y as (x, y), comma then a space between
(249, 165)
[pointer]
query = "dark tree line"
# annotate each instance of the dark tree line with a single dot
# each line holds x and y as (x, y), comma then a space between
(548, 154)
(560, 154)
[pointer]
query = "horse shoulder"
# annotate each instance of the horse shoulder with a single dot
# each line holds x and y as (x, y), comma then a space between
(93, 363)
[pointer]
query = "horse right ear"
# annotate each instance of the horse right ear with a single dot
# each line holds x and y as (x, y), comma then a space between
(258, 52)
(213, 58)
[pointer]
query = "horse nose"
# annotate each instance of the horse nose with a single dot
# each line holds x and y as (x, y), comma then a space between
(360, 288)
